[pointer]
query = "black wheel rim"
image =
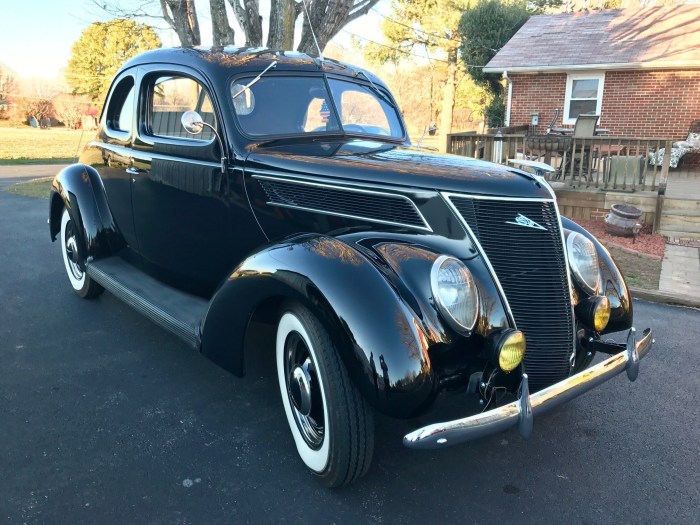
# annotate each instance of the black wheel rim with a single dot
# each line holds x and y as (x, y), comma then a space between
(71, 246)
(304, 390)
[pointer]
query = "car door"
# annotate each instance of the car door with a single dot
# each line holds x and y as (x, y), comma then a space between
(180, 195)
(110, 154)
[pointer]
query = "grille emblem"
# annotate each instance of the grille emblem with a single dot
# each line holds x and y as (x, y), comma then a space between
(521, 220)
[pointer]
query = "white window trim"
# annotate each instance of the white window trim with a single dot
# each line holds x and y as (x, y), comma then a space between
(569, 85)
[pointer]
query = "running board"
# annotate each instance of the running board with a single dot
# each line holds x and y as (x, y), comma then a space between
(176, 311)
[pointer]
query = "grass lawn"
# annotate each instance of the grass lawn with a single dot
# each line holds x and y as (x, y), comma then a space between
(38, 188)
(32, 145)
(640, 271)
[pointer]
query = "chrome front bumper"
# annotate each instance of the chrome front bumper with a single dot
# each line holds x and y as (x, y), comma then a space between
(522, 411)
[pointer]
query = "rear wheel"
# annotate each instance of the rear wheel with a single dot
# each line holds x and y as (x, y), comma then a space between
(331, 423)
(81, 282)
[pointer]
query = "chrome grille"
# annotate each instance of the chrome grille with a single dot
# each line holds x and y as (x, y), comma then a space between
(531, 267)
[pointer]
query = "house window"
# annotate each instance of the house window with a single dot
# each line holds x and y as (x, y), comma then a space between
(584, 94)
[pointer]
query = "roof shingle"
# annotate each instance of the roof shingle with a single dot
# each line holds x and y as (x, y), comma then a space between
(654, 37)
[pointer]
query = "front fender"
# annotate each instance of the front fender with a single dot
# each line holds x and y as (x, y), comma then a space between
(79, 188)
(382, 340)
(612, 283)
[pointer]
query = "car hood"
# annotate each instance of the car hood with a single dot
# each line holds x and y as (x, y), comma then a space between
(381, 163)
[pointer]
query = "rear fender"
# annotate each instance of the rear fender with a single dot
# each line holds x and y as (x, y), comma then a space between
(612, 283)
(382, 341)
(79, 189)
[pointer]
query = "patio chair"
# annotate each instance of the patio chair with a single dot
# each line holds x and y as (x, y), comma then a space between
(585, 125)
(581, 153)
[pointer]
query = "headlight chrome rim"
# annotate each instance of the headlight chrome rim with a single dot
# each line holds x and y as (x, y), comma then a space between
(591, 288)
(464, 329)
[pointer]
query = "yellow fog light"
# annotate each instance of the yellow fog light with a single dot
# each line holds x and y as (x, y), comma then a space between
(594, 312)
(601, 313)
(508, 348)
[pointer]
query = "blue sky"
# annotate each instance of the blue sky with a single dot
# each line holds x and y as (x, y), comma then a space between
(37, 35)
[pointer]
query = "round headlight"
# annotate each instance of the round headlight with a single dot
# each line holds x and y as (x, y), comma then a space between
(583, 259)
(455, 293)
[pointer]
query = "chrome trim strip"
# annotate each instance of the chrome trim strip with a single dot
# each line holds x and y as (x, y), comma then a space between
(572, 359)
(492, 198)
(446, 197)
(148, 157)
(522, 411)
(426, 226)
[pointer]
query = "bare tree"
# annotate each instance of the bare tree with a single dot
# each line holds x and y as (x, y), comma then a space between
(70, 109)
(222, 32)
(327, 18)
(283, 15)
(181, 16)
(248, 15)
(38, 108)
(8, 87)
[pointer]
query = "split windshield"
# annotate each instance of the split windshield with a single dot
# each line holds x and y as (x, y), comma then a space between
(282, 105)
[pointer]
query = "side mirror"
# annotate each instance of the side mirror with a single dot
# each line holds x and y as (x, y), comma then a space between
(192, 122)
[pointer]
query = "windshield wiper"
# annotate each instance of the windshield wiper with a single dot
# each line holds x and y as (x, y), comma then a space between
(376, 90)
(272, 64)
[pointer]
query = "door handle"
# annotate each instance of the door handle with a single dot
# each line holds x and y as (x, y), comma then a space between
(135, 171)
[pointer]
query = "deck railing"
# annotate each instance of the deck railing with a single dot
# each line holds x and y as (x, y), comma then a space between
(605, 162)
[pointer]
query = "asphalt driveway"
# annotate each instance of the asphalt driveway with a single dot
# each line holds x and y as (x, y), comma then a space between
(106, 418)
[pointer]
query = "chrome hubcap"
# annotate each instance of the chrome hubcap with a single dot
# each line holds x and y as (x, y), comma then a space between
(300, 388)
(71, 245)
(304, 391)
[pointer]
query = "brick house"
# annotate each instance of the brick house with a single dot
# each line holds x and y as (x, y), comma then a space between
(639, 69)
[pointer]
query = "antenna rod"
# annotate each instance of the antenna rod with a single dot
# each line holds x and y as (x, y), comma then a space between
(313, 33)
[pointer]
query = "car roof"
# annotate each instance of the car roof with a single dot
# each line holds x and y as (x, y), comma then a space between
(229, 59)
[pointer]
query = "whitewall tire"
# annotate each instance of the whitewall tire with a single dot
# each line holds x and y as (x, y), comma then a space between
(81, 282)
(331, 424)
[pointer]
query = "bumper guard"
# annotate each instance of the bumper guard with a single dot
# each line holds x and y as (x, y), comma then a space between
(522, 411)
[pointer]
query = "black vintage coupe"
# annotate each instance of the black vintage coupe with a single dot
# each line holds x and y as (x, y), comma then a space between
(228, 185)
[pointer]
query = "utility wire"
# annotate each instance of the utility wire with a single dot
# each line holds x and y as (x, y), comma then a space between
(406, 52)
(434, 35)
(397, 49)
(48, 97)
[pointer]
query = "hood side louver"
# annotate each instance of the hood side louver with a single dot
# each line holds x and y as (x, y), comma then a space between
(385, 208)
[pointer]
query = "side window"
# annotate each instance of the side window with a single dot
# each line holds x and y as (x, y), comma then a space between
(119, 116)
(170, 97)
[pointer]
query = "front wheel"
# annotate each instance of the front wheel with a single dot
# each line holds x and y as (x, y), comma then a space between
(81, 282)
(332, 425)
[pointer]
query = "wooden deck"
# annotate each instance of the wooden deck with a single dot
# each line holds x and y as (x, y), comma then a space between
(683, 184)
(680, 216)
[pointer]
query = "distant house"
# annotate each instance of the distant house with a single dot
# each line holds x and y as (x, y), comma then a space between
(639, 69)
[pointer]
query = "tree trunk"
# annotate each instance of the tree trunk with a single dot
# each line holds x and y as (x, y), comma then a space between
(448, 99)
(181, 16)
(327, 18)
(222, 32)
(283, 15)
(248, 15)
